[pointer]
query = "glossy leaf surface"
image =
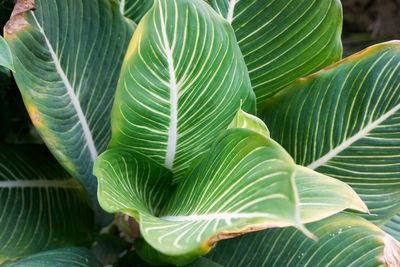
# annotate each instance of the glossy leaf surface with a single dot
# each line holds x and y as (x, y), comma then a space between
(284, 40)
(67, 56)
(174, 95)
(344, 121)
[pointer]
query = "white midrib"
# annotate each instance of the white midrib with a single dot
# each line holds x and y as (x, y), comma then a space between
(361, 134)
(71, 93)
(122, 7)
(216, 216)
(231, 9)
(174, 89)
(69, 183)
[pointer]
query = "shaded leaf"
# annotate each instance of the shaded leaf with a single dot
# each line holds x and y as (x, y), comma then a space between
(135, 9)
(71, 257)
(174, 95)
(67, 57)
(284, 40)
(42, 207)
(5, 55)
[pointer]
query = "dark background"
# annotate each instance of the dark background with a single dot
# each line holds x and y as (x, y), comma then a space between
(366, 22)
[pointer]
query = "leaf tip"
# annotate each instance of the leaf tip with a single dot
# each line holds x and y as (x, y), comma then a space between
(391, 253)
(17, 21)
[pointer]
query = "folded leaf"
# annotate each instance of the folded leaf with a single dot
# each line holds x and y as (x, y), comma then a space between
(284, 40)
(344, 122)
(245, 183)
(5, 55)
(131, 183)
(71, 257)
(322, 196)
(181, 83)
(42, 207)
(344, 240)
(67, 57)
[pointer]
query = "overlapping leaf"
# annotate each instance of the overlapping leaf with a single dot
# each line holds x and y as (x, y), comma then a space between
(343, 241)
(135, 9)
(67, 60)
(71, 257)
(5, 55)
(284, 40)
(182, 81)
(245, 182)
(345, 122)
(42, 207)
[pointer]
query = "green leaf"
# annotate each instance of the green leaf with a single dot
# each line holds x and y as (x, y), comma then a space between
(5, 55)
(284, 40)
(42, 207)
(67, 57)
(322, 196)
(344, 122)
(135, 9)
(71, 257)
(245, 183)
(181, 83)
(248, 121)
(343, 241)
(131, 183)
(393, 226)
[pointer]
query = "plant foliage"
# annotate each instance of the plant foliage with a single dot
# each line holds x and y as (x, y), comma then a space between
(161, 132)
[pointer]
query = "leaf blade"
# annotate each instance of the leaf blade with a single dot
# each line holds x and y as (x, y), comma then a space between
(172, 109)
(41, 204)
(66, 92)
(284, 40)
(354, 138)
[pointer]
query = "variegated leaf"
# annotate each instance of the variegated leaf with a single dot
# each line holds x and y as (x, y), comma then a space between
(245, 183)
(41, 206)
(283, 40)
(182, 80)
(344, 121)
(343, 241)
(67, 56)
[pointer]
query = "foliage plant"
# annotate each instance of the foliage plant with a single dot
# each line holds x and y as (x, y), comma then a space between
(198, 133)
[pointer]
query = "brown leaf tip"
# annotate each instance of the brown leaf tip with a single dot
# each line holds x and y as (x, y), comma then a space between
(391, 254)
(17, 20)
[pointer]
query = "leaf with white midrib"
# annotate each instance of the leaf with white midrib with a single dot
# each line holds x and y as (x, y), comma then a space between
(344, 241)
(41, 204)
(174, 95)
(344, 122)
(246, 182)
(283, 40)
(67, 57)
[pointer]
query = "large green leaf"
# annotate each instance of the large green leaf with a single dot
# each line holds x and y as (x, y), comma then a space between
(67, 56)
(344, 121)
(5, 55)
(182, 81)
(135, 9)
(42, 207)
(283, 40)
(245, 183)
(343, 241)
(71, 257)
